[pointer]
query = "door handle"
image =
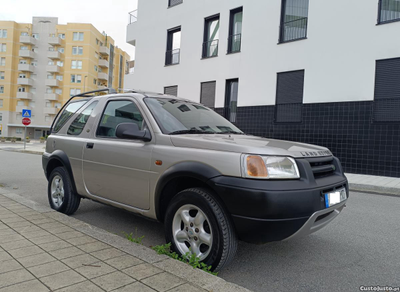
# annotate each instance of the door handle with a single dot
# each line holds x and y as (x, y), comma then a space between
(89, 145)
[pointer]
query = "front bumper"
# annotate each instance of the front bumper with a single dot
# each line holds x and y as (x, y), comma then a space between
(267, 210)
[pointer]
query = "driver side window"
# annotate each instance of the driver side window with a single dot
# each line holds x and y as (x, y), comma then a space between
(118, 112)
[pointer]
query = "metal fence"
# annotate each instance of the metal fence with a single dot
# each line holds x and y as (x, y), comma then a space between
(294, 29)
(389, 10)
(234, 43)
(132, 16)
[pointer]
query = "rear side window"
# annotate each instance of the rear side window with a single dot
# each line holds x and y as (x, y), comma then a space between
(118, 112)
(67, 113)
(79, 123)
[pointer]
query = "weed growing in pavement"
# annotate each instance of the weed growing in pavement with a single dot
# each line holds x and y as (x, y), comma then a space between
(188, 258)
(135, 239)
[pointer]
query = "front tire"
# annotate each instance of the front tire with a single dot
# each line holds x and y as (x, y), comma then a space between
(195, 222)
(61, 195)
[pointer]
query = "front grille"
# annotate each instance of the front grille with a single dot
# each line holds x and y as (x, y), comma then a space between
(322, 166)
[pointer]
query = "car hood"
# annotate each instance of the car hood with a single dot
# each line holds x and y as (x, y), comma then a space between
(248, 144)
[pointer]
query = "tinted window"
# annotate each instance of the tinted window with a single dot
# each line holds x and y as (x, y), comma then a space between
(71, 109)
(180, 115)
(118, 112)
(79, 123)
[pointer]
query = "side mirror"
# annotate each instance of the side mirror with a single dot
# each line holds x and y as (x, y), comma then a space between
(131, 131)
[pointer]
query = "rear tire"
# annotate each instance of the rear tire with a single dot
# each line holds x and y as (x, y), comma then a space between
(196, 222)
(61, 195)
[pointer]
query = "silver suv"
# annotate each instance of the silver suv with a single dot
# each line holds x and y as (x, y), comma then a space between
(183, 164)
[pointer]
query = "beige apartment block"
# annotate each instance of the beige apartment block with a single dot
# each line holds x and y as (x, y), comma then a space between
(43, 63)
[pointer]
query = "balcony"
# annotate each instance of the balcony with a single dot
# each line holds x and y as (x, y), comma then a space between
(54, 55)
(26, 39)
(25, 68)
(27, 54)
(51, 96)
(132, 28)
(104, 51)
(103, 63)
(52, 82)
(54, 41)
(25, 81)
(103, 76)
(50, 110)
(53, 68)
(24, 95)
(19, 108)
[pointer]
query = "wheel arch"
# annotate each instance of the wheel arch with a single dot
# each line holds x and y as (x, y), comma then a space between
(60, 159)
(179, 177)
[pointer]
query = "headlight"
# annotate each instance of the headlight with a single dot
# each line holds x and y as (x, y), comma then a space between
(269, 167)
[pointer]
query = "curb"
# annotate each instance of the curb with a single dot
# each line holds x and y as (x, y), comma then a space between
(374, 189)
(194, 276)
(25, 151)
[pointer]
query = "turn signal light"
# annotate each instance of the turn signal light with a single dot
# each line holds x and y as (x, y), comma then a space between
(256, 166)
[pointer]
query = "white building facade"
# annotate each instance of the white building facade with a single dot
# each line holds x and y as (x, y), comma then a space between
(315, 71)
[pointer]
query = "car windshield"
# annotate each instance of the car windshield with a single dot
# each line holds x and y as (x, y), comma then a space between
(176, 116)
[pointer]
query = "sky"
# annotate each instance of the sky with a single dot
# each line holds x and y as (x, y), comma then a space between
(110, 16)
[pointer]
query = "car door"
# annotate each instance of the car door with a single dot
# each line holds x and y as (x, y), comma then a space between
(118, 169)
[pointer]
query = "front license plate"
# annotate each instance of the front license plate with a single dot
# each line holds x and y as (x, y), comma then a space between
(336, 197)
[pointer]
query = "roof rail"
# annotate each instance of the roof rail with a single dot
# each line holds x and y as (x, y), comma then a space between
(83, 94)
(131, 90)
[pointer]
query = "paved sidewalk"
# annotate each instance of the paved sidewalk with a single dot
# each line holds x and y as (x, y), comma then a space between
(33, 147)
(375, 184)
(43, 250)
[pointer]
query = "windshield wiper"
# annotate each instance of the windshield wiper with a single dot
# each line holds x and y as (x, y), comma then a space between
(191, 131)
(231, 132)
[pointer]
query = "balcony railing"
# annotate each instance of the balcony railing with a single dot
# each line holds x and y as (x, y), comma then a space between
(294, 30)
(210, 49)
(174, 2)
(234, 43)
(132, 16)
(172, 57)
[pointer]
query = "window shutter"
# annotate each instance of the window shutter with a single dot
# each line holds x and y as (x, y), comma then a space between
(289, 97)
(387, 90)
(171, 90)
(207, 96)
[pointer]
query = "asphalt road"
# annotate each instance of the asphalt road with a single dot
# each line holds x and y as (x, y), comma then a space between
(359, 248)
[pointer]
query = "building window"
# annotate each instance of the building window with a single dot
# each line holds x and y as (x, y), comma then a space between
(61, 50)
(289, 97)
(95, 68)
(171, 90)
(60, 63)
(77, 36)
(2, 75)
(207, 94)
(174, 2)
(294, 20)
(2, 61)
(211, 36)
(23, 48)
(231, 99)
(3, 47)
(18, 131)
(94, 81)
(58, 91)
(1, 89)
(77, 50)
(389, 11)
(1, 116)
(1, 103)
(24, 33)
(21, 89)
(235, 30)
(76, 65)
(387, 91)
(76, 78)
(59, 77)
(97, 41)
(3, 33)
(74, 91)
(172, 55)
(35, 36)
(61, 35)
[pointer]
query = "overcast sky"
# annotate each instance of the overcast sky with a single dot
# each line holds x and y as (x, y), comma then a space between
(110, 16)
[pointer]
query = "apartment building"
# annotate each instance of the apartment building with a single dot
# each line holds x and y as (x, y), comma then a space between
(314, 71)
(43, 63)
